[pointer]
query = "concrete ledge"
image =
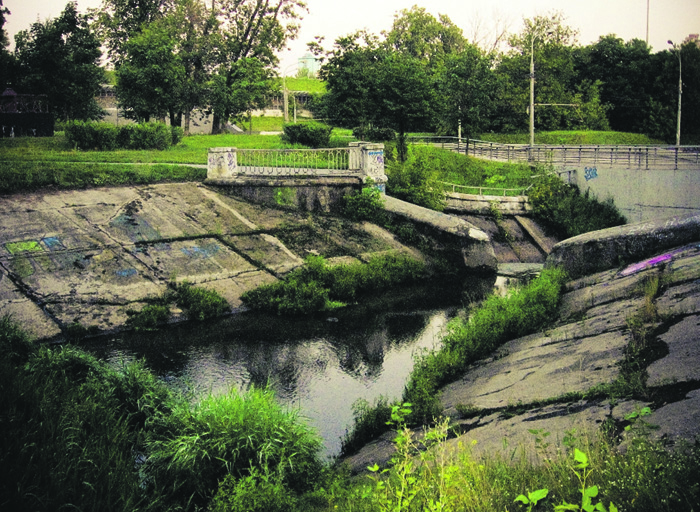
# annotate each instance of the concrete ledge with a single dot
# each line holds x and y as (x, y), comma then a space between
(613, 247)
(453, 235)
(481, 205)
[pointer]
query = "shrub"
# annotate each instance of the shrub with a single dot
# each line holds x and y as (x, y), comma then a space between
(416, 180)
(566, 212)
(364, 205)
(254, 493)
(87, 135)
(200, 303)
(315, 135)
(149, 318)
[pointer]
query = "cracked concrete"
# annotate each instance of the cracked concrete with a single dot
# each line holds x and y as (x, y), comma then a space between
(90, 256)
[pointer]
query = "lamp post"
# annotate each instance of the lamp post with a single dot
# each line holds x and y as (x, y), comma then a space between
(680, 91)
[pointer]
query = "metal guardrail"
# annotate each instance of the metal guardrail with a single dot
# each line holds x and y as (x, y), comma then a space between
(287, 162)
(628, 157)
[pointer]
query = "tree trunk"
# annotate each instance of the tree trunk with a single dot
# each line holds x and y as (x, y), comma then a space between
(187, 121)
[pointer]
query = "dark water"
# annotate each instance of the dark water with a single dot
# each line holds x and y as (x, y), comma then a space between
(320, 365)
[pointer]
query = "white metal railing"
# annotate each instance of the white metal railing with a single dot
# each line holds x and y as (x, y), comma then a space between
(285, 162)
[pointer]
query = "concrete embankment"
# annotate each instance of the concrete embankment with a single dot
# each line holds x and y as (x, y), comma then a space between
(89, 257)
(527, 384)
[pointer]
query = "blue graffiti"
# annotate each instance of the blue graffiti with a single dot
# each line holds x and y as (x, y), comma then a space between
(590, 173)
(126, 272)
(201, 252)
(53, 243)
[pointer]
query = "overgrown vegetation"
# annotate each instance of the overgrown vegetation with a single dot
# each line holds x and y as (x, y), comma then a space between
(566, 212)
(197, 303)
(366, 205)
(78, 434)
(495, 321)
(316, 286)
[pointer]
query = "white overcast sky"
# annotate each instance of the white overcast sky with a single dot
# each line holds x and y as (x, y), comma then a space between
(668, 19)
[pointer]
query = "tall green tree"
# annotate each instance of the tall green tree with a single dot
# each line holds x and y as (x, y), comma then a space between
(466, 91)
(150, 77)
(417, 33)
(117, 21)
(60, 58)
(558, 86)
(248, 29)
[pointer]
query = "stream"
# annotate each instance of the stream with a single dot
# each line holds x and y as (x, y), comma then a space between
(320, 365)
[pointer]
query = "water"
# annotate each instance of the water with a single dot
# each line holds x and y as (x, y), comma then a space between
(320, 365)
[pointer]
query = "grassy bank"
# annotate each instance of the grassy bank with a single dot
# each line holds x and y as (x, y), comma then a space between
(76, 434)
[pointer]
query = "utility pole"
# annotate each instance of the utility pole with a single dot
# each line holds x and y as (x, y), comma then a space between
(680, 91)
(647, 22)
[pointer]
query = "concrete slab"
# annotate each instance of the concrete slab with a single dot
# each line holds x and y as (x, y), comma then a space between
(265, 251)
(36, 322)
(682, 364)
(536, 368)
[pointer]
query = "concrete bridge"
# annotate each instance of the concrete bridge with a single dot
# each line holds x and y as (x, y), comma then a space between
(646, 182)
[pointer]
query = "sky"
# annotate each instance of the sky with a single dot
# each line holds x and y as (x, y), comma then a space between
(479, 19)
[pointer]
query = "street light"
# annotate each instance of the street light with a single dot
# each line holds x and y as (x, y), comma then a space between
(532, 89)
(680, 91)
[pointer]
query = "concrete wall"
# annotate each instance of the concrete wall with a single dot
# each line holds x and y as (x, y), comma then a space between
(641, 195)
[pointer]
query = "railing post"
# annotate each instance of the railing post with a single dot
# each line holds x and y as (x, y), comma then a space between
(222, 163)
(372, 165)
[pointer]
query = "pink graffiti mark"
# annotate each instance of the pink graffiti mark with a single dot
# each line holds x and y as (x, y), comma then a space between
(656, 260)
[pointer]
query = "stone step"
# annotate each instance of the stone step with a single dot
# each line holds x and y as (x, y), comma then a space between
(544, 242)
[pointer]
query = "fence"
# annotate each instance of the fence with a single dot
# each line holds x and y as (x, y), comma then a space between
(484, 191)
(626, 157)
(293, 162)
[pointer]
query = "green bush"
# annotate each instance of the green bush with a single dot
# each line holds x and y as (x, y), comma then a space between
(315, 135)
(253, 493)
(364, 205)
(416, 180)
(149, 318)
(107, 137)
(566, 212)
(89, 135)
(200, 303)
(176, 133)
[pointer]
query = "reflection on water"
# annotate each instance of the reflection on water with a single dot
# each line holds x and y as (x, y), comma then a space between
(320, 366)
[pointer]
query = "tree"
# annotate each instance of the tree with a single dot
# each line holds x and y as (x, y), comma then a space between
(623, 71)
(150, 77)
(404, 96)
(466, 90)
(60, 58)
(565, 101)
(417, 33)
(248, 29)
(117, 21)
(165, 66)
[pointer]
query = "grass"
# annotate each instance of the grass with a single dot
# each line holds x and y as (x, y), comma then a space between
(319, 287)
(574, 138)
(304, 84)
(75, 434)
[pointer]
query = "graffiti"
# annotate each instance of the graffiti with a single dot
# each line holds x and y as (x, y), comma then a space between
(127, 272)
(656, 260)
(590, 173)
(53, 243)
(201, 252)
